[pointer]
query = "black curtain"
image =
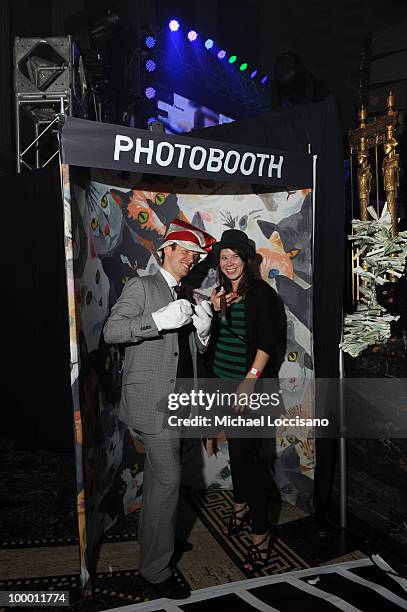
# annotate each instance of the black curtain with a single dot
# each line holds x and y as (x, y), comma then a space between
(316, 125)
(36, 385)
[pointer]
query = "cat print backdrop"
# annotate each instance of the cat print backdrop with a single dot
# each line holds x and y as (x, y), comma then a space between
(118, 221)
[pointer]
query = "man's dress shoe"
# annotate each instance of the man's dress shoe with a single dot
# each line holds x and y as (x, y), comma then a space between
(182, 546)
(170, 588)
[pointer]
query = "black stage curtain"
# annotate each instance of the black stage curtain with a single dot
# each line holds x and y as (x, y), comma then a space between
(316, 124)
(37, 406)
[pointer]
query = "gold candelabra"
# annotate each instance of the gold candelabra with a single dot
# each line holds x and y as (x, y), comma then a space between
(367, 136)
(391, 167)
(364, 172)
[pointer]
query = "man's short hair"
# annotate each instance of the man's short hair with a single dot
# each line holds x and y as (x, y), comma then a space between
(172, 245)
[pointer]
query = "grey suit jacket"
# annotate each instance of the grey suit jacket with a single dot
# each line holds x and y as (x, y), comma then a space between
(151, 356)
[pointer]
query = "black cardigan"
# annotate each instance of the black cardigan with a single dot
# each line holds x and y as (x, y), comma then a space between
(266, 328)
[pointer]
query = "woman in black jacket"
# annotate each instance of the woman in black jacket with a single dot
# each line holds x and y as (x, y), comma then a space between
(248, 345)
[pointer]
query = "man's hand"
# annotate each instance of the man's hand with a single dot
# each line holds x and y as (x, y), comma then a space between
(173, 316)
(202, 319)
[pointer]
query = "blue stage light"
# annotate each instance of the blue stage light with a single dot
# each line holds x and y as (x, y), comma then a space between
(150, 65)
(192, 35)
(150, 92)
(173, 25)
(150, 41)
(264, 80)
(253, 74)
(222, 54)
(209, 43)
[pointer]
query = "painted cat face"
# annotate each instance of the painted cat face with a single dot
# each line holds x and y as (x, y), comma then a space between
(93, 296)
(292, 374)
(294, 232)
(103, 218)
(297, 363)
(140, 217)
(275, 261)
(302, 438)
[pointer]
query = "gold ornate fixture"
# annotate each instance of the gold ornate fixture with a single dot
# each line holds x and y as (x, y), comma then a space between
(366, 137)
(380, 131)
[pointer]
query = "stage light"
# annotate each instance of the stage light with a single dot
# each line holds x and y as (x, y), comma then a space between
(150, 41)
(173, 25)
(264, 80)
(253, 74)
(192, 35)
(150, 92)
(222, 54)
(150, 65)
(209, 43)
(243, 66)
(232, 59)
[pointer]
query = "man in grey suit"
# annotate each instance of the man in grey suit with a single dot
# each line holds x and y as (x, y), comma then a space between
(162, 335)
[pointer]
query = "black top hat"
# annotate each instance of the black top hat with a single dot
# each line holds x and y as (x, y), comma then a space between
(235, 239)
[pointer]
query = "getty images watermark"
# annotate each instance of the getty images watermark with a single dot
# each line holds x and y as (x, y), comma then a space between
(240, 412)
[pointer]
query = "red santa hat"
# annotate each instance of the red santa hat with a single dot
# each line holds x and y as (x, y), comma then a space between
(188, 236)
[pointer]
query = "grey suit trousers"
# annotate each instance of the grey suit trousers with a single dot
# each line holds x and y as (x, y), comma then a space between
(162, 476)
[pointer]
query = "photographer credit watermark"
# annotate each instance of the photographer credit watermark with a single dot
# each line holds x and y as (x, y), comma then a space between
(199, 411)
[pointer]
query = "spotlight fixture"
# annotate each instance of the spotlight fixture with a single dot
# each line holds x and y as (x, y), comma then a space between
(192, 35)
(150, 65)
(264, 80)
(232, 59)
(222, 54)
(150, 93)
(253, 74)
(173, 25)
(209, 43)
(243, 66)
(150, 41)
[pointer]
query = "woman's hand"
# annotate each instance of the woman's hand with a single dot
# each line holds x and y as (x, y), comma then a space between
(243, 392)
(215, 298)
(211, 446)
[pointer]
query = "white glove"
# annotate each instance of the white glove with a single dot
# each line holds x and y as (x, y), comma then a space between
(174, 315)
(202, 319)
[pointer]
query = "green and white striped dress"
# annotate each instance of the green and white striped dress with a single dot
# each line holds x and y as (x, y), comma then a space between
(230, 351)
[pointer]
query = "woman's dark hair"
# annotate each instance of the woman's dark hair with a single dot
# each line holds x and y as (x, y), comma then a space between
(250, 274)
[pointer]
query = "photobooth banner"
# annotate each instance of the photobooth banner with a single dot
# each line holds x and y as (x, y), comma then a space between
(102, 145)
(113, 227)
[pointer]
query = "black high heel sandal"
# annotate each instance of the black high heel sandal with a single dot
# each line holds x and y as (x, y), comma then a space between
(257, 557)
(236, 523)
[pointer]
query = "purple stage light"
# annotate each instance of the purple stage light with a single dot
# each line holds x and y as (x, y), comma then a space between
(264, 80)
(150, 65)
(150, 41)
(150, 92)
(173, 25)
(253, 74)
(222, 54)
(192, 35)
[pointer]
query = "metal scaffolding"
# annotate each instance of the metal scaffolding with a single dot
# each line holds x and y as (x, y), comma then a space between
(43, 78)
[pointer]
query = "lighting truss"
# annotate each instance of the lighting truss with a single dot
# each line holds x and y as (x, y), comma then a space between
(43, 77)
(244, 91)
